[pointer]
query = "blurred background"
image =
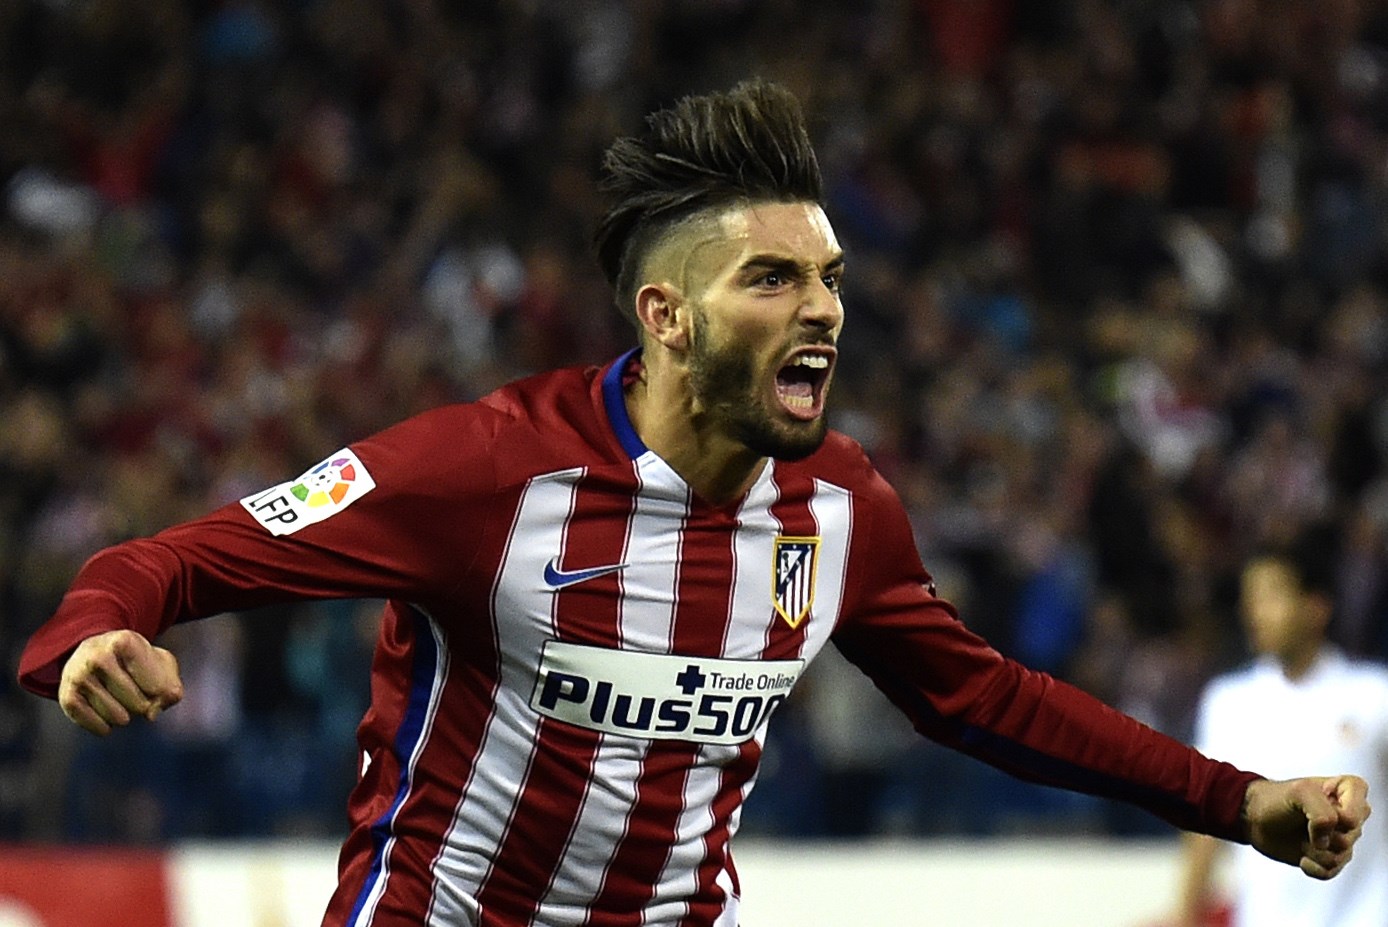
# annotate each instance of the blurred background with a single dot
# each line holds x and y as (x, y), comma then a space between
(1116, 316)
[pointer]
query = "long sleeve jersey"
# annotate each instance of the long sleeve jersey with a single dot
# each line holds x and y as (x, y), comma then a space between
(579, 657)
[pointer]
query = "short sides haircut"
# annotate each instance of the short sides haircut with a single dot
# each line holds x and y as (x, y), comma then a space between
(701, 155)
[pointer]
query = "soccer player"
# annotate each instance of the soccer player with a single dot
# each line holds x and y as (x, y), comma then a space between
(1301, 700)
(602, 583)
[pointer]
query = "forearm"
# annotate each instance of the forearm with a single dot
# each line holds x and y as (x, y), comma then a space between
(962, 693)
(130, 586)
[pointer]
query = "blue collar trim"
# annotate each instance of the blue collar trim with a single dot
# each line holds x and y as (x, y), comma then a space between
(614, 398)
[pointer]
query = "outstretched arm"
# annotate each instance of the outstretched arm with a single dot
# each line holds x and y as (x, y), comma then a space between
(960, 691)
(1311, 823)
(417, 487)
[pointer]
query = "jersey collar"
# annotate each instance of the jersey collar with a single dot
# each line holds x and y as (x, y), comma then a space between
(614, 400)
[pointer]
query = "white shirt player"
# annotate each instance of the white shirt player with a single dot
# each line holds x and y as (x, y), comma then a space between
(1333, 717)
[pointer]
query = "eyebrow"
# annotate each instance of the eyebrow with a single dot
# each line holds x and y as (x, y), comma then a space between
(785, 264)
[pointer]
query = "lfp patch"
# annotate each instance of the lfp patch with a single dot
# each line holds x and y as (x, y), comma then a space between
(794, 564)
(320, 493)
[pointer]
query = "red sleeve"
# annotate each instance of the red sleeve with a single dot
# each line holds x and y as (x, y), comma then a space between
(432, 476)
(960, 691)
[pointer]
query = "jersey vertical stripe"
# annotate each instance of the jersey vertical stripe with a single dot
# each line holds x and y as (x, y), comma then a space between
(797, 508)
(427, 681)
(833, 512)
(658, 525)
(678, 878)
(757, 526)
(701, 583)
(647, 587)
(557, 784)
(602, 619)
(718, 889)
(488, 800)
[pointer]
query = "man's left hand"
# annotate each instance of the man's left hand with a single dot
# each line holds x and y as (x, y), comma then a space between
(1312, 823)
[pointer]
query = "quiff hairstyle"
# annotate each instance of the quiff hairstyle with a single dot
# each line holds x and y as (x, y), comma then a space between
(697, 157)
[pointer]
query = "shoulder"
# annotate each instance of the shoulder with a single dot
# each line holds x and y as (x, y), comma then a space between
(842, 461)
(561, 408)
(880, 520)
(550, 421)
(564, 395)
(1369, 675)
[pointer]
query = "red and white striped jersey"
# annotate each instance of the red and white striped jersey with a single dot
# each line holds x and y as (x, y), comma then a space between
(579, 658)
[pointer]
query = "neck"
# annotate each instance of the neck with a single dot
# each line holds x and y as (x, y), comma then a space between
(1297, 663)
(717, 468)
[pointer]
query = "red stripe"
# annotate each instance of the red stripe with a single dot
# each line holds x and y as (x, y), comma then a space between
(710, 900)
(557, 781)
(465, 706)
(702, 614)
(792, 511)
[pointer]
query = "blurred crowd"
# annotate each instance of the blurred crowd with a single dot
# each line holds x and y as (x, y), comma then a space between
(1116, 316)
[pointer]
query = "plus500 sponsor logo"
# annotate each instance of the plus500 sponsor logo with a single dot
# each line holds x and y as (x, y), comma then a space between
(660, 696)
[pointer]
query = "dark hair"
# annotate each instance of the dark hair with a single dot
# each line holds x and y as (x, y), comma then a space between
(1311, 555)
(705, 152)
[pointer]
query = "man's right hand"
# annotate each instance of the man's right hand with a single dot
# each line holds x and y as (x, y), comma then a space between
(114, 676)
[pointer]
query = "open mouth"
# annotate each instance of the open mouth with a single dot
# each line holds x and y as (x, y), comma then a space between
(801, 382)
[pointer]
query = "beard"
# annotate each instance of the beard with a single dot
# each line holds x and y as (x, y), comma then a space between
(724, 380)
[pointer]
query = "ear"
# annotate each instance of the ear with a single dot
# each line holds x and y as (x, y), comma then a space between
(660, 309)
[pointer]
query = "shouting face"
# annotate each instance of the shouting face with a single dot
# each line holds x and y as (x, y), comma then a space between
(764, 317)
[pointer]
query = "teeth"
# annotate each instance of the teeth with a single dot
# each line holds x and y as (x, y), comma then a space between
(812, 360)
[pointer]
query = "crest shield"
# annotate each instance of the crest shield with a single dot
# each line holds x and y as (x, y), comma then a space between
(795, 560)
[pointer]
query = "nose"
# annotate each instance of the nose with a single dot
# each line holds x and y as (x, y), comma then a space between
(822, 307)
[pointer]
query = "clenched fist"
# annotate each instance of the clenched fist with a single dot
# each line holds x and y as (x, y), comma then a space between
(114, 676)
(1312, 823)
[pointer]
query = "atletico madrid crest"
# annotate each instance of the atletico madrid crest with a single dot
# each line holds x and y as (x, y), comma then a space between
(792, 577)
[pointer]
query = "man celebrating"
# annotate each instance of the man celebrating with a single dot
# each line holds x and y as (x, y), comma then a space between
(602, 583)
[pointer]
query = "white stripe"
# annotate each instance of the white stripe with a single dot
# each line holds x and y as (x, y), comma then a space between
(648, 589)
(601, 824)
(649, 584)
(680, 877)
(728, 916)
(522, 605)
(750, 604)
(754, 545)
(368, 910)
(832, 507)
(748, 635)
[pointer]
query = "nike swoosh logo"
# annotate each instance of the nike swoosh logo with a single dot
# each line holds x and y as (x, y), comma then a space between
(558, 579)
